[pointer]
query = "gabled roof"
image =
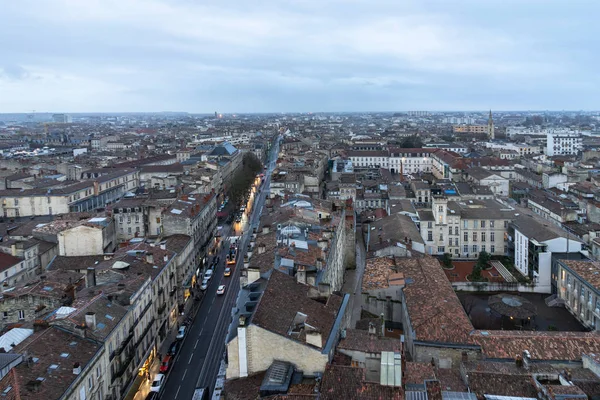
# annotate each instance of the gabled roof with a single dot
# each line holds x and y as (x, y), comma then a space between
(284, 298)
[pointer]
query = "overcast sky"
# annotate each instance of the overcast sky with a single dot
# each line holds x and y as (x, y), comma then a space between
(298, 55)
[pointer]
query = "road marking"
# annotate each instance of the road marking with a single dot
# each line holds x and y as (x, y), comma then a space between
(201, 330)
(178, 388)
(191, 356)
(196, 344)
(213, 300)
(183, 377)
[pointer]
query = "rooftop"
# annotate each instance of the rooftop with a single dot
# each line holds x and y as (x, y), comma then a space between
(284, 299)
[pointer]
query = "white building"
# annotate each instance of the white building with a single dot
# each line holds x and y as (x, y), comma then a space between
(563, 144)
(534, 241)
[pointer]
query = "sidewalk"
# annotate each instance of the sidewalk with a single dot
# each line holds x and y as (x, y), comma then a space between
(191, 308)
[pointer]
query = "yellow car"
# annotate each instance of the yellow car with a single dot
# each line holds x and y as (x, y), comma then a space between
(227, 272)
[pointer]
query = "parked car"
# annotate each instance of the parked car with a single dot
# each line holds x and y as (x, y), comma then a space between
(166, 363)
(221, 289)
(208, 274)
(174, 348)
(180, 333)
(204, 285)
(227, 272)
(157, 383)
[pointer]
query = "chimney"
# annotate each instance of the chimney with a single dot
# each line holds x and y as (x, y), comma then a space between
(150, 258)
(166, 258)
(265, 229)
(163, 246)
(372, 329)
(526, 359)
(90, 320)
(90, 277)
(242, 320)
(76, 368)
(261, 248)
(13, 250)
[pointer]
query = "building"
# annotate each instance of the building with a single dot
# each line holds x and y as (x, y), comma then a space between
(532, 242)
(578, 285)
(195, 217)
(563, 144)
(288, 325)
(484, 177)
(87, 237)
(478, 129)
(465, 228)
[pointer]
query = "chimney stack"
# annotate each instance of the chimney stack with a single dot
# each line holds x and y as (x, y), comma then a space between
(90, 320)
(150, 258)
(261, 248)
(13, 250)
(166, 258)
(163, 246)
(90, 277)
(76, 368)
(372, 329)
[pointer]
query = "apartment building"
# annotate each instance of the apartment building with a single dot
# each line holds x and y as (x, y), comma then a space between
(83, 196)
(578, 285)
(195, 217)
(532, 242)
(19, 261)
(470, 129)
(563, 144)
(465, 228)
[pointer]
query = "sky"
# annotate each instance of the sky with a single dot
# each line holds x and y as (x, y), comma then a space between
(298, 56)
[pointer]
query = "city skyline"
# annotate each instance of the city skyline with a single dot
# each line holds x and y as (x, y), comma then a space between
(152, 56)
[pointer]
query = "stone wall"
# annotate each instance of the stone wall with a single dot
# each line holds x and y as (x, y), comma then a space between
(498, 287)
(444, 356)
(264, 347)
(386, 303)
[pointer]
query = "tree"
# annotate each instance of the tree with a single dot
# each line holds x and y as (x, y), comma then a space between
(242, 179)
(475, 275)
(447, 260)
(411, 142)
(483, 260)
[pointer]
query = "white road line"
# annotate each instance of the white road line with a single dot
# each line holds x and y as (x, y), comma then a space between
(179, 388)
(196, 344)
(191, 356)
(183, 377)
(201, 330)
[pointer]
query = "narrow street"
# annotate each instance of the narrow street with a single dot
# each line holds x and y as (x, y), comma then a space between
(198, 360)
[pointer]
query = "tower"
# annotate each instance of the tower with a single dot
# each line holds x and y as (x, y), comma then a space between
(490, 127)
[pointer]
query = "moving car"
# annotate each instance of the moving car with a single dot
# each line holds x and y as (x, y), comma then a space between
(174, 348)
(166, 363)
(180, 333)
(157, 383)
(221, 289)
(227, 272)
(204, 284)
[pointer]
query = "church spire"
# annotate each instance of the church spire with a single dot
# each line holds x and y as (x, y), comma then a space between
(490, 128)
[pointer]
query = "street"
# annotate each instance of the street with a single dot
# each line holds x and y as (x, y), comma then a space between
(198, 361)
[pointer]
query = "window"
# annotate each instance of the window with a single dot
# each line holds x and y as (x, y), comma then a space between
(474, 236)
(441, 208)
(441, 237)
(491, 224)
(441, 249)
(17, 213)
(492, 237)
(492, 249)
(483, 236)
(456, 230)
(505, 224)
(475, 224)
(21, 314)
(137, 218)
(16, 202)
(90, 383)
(568, 279)
(583, 292)
(466, 236)
(465, 248)
(483, 223)
(4, 314)
(129, 230)
(50, 210)
(465, 224)
(121, 219)
(429, 236)
(474, 248)
(449, 230)
(48, 198)
(430, 224)
(483, 247)
(456, 242)
(158, 220)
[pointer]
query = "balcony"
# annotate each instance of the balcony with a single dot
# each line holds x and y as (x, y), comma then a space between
(123, 366)
(123, 344)
(162, 308)
(161, 291)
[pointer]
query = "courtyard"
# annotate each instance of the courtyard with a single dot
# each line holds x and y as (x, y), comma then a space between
(547, 318)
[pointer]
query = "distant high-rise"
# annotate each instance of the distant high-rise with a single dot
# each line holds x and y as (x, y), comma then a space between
(62, 118)
(490, 127)
(216, 114)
